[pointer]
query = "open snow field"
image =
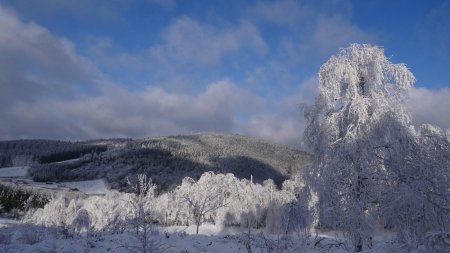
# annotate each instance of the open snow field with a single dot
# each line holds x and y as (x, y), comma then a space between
(86, 187)
(175, 243)
(9, 172)
(18, 176)
(30, 239)
(89, 186)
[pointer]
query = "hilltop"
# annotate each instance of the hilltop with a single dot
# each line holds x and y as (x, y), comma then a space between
(167, 160)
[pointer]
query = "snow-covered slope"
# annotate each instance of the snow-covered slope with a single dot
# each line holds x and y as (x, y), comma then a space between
(89, 186)
(167, 160)
(20, 171)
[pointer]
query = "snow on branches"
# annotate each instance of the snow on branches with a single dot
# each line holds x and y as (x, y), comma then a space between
(220, 199)
(369, 163)
(357, 88)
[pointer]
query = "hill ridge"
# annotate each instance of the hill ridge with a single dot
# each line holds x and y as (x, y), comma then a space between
(168, 159)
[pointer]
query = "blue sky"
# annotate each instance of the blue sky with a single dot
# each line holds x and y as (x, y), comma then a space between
(96, 68)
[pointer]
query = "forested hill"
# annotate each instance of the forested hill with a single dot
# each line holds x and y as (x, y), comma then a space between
(167, 160)
(30, 152)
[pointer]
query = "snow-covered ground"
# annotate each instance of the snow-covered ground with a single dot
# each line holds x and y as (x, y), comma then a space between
(12, 172)
(29, 239)
(18, 176)
(68, 161)
(86, 187)
(89, 186)
(176, 243)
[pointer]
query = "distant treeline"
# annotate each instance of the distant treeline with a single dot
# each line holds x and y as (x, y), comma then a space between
(167, 160)
(63, 156)
(27, 152)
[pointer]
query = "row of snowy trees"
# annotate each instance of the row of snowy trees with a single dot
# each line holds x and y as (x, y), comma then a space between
(371, 167)
(219, 199)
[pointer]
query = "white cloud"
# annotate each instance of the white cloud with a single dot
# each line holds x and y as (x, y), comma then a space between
(189, 41)
(118, 112)
(36, 63)
(307, 34)
(299, 15)
(43, 80)
(430, 106)
(328, 34)
(305, 94)
(285, 12)
(186, 53)
(286, 123)
(334, 32)
(42, 95)
(275, 128)
(105, 12)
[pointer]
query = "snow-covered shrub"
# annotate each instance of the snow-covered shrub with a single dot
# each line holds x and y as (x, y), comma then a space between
(220, 199)
(105, 212)
(288, 213)
(53, 214)
(202, 199)
(228, 201)
(82, 221)
(145, 236)
(248, 203)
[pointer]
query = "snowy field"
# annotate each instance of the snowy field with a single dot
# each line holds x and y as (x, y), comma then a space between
(13, 172)
(29, 239)
(86, 187)
(89, 186)
(68, 161)
(18, 176)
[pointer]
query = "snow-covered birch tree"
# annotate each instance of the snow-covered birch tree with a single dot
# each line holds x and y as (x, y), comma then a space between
(359, 115)
(203, 197)
(145, 234)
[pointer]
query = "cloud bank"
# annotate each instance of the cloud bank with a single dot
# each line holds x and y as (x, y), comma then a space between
(430, 106)
(50, 90)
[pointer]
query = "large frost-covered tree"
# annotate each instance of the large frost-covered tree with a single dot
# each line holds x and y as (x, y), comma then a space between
(359, 115)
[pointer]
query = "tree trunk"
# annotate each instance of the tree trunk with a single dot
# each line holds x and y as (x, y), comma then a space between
(359, 192)
(359, 246)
